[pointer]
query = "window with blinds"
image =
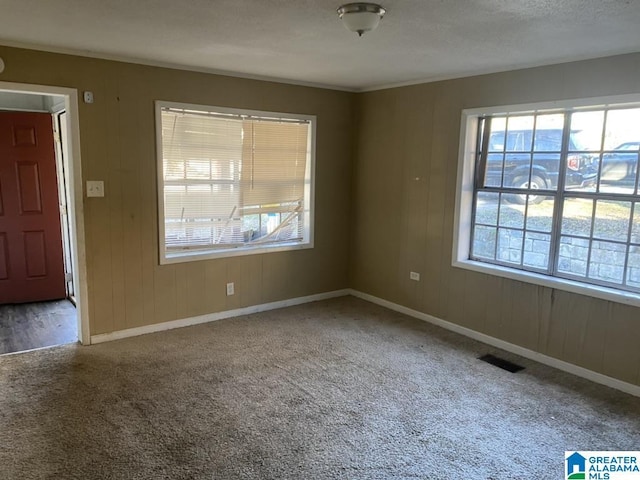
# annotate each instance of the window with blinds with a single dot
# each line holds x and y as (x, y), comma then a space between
(233, 182)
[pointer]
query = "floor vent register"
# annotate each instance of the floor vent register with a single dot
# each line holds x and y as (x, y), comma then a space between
(501, 363)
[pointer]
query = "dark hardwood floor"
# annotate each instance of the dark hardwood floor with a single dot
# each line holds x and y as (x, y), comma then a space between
(35, 325)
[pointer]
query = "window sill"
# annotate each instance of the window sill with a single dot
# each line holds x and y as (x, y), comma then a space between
(198, 255)
(604, 293)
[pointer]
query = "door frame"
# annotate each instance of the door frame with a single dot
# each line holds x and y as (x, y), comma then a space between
(64, 195)
(76, 205)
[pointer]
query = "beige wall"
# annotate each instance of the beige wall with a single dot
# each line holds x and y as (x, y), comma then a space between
(404, 197)
(127, 286)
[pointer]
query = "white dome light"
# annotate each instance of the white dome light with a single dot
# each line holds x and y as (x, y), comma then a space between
(361, 17)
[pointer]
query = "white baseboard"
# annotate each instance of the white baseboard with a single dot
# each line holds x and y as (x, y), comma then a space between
(509, 347)
(212, 317)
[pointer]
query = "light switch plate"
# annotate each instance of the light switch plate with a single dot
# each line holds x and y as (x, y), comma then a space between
(95, 188)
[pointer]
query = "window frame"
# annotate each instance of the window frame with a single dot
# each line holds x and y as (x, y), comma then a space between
(466, 188)
(198, 254)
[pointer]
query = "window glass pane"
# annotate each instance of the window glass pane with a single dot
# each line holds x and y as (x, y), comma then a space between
(618, 171)
(487, 208)
(582, 172)
(633, 267)
(536, 250)
(635, 225)
(576, 216)
(629, 146)
(519, 134)
(509, 245)
(622, 126)
(612, 220)
(511, 213)
(574, 253)
(586, 131)
(545, 169)
(484, 242)
(250, 226)
(517, 168)
(270, 222)
(493, 173)
(548, 136)
(584, 144)
(496, 138)
(607, 261)
(540, 213)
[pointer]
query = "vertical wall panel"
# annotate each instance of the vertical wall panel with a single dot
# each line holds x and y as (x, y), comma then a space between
(592, 352)
(492, 288)
(525, 312)
(215, 277)
(474, 302)
(576, 329)
(149, 207)
(96, 139)
(621, 358)
(241, 271)
(195, 289)
(116, 169)
(132, 168)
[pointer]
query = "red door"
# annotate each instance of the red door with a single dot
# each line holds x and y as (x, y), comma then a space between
(31, 261)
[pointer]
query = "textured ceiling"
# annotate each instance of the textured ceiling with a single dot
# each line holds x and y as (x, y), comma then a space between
(303, 41)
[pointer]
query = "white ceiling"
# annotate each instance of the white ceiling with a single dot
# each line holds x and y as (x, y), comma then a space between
(303, 41)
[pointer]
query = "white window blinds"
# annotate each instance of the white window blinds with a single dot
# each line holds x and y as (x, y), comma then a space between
(233, 180)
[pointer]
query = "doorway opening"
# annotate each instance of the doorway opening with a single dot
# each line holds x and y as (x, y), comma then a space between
(43, 297)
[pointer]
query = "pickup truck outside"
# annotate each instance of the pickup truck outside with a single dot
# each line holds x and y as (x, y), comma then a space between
(509, 163)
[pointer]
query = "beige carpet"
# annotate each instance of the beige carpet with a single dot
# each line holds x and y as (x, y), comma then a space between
(334, 389)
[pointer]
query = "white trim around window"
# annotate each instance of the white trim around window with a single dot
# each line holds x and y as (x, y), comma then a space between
(469, 153)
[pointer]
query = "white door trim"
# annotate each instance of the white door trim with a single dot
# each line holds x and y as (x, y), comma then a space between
(76, 204)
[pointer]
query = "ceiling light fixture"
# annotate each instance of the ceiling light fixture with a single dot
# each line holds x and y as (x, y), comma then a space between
(361, 17)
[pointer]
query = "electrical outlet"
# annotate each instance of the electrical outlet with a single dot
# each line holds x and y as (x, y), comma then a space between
(414, 276)
(95, 188)
(230, 289)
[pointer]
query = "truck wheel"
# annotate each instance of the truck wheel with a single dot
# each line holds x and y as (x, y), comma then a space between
(537, 183)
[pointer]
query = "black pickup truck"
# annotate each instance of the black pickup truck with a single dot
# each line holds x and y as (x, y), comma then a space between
(542, 154)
